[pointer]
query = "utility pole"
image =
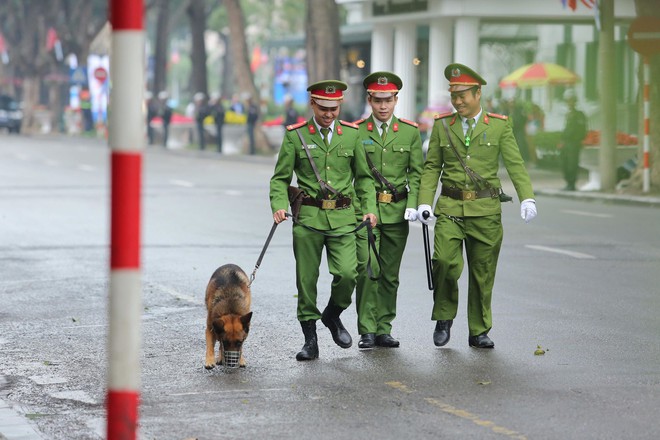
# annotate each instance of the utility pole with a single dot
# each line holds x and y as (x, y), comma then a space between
(607, 87)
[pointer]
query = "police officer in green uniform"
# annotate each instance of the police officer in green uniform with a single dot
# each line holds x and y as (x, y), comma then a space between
(339, 158)
(575, 129)
(469, 214)
(394, 149)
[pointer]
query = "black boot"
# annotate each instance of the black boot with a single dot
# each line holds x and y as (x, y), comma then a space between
(330, 318)
(441, 333)
(311, 348)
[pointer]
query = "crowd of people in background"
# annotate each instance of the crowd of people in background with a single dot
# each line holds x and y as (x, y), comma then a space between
(527, 117)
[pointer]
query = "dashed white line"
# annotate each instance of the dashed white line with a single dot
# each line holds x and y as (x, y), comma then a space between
(587, 214)
(85, 167)
(573, 254)
(177, 294)
(183, 183)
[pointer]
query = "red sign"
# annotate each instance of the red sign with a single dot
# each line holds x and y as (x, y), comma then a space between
(101, 74)
(644, 35)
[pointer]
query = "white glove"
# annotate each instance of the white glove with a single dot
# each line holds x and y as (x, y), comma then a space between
(420, 211)
(410, 214)
(528, 210)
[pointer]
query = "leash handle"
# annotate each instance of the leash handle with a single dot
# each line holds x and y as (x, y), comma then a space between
(263, 252)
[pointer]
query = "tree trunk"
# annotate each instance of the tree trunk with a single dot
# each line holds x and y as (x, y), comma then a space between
(239, 49)
(197, 16)
(322, 40)
(161, 47)
(241, 63)
(226, 85)
(649, 8)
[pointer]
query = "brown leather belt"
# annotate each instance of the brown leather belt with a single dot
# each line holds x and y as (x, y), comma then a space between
(338, 203)
(385, 197)
(457, 194)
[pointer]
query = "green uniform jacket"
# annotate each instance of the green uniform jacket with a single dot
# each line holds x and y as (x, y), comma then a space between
(399, 159)
(339, 164)
(492, 138)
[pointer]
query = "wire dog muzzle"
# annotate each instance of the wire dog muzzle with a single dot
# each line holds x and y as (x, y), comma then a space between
(230, 359)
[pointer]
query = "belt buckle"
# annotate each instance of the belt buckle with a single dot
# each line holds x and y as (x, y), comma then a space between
(328, 204)
(384, 198)
(469, 195)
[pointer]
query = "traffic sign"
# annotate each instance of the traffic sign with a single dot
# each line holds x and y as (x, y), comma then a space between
(101, 74)
(644, 35)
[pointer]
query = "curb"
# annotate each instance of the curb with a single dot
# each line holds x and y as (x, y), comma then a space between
(14, 426)
(603, 197)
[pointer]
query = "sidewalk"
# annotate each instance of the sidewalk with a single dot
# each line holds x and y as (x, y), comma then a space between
(548, 182)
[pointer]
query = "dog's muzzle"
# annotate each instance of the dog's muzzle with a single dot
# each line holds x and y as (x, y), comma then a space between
(231, 359)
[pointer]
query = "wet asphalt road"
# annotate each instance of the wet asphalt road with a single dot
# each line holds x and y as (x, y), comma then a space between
(581, 281)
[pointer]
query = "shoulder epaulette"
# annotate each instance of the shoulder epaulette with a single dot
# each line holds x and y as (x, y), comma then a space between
(409, 122)
(444, 115)
(348, 124)
(295, 126)
(497, 115)
(359, 121)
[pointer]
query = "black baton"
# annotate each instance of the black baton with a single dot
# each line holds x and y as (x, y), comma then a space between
(427, 250)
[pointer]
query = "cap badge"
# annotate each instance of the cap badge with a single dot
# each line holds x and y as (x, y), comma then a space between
(330, 89)
(456, 72)
(382, 81)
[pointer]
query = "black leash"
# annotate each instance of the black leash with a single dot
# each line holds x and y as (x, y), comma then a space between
(263, 251)
(370, 237)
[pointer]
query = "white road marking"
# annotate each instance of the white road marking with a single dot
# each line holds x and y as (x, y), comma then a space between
(573, 254)
(588, 214)
(183, 183)
(257, 391)
(85, 167)
(177, 294)
(232, 192)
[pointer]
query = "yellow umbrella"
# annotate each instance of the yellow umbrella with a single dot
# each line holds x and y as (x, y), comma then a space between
(539, 74)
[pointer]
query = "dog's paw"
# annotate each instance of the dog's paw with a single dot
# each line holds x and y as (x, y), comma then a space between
(209, 366)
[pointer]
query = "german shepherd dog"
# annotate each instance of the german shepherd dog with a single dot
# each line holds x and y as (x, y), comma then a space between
(228, 301)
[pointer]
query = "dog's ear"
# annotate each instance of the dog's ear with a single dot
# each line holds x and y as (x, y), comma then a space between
(245, 320)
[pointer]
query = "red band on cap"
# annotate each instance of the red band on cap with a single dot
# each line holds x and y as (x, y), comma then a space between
(464, 80)
(322, 94)
(377, 88)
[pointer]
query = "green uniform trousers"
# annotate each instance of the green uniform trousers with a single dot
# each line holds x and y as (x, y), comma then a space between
(376, 300)
(483, 238)
(342, 265)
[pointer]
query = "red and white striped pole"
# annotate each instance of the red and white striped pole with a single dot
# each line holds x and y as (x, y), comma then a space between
(646, 185)
(126, 142)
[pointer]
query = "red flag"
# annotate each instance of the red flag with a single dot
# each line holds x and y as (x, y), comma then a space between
(51, 39)
(572, 4)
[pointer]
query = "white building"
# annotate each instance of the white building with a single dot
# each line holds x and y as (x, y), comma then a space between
(417, 38)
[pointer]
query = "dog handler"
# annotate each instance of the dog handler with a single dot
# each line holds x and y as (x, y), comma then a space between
(394, 149)
(339, 160)
(469, 213)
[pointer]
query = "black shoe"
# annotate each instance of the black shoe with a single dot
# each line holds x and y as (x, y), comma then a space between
(330, 318)
(481, 341)
(368, 340)
(310, 350)
(441, 334)
(386, 341)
